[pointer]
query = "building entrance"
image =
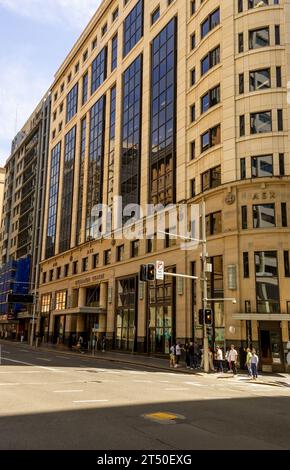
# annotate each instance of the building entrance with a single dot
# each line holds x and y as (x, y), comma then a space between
(271, 347)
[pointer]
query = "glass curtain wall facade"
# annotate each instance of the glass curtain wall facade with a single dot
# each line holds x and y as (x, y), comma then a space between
(163, 116)
(131, 133)
(81, 179)
(133, 28)
(96, 164)
(53, 201)
(126, 325)
(99, 70)
(112, 148)
(67, 190)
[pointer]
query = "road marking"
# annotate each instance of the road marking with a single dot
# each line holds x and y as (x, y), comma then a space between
(113, 372)
(195, 384)
(176, 389)
(43, 359)
(24, 350)
(68, 391)
(6, 352)
(136, 373)
(164, 382)
(91, 401)
(32, 365)
(62, 357)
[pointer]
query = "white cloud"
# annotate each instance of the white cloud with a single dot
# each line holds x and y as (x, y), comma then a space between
(73, 14)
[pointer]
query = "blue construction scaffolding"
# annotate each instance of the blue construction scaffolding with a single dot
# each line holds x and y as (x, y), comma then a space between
(14, 279)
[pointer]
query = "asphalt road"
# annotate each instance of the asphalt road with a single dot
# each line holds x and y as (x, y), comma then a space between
(50, 400)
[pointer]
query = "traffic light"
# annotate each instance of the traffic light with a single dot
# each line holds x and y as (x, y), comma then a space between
(151, 272)
(208, 316)
(147, 272)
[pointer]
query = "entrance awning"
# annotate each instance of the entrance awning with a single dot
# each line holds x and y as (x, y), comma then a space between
(262, 316)
(81, 310)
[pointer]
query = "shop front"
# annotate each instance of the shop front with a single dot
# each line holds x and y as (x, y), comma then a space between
(162, 318)
(127, 314)
(271, 347)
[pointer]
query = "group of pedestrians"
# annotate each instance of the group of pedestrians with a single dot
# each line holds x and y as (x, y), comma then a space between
(228, 362)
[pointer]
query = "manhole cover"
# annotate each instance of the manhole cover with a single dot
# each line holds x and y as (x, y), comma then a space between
(164, 417)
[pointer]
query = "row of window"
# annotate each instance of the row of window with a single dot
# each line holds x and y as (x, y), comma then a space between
(260, 79)
(261, 122)
(264, 216)
(259, 37)
(250, 4)
(262, 166)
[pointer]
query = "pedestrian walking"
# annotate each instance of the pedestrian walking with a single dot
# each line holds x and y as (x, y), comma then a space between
(172, 356)
(103, 344)
(233, 357)
(178, 354)
(248, 362)
(228, 360)
(219, 358)
(254, 364)
(210, 360)
(191, 353)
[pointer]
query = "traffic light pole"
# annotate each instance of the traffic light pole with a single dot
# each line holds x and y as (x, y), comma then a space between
(204, 291)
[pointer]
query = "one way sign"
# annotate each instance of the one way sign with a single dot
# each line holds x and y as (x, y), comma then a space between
(159, 270)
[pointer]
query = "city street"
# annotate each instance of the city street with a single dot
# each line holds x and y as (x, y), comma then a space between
(51, 400)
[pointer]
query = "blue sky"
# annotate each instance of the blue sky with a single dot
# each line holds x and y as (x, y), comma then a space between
(35, 37)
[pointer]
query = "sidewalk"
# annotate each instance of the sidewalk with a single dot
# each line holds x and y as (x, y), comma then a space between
(157, 363)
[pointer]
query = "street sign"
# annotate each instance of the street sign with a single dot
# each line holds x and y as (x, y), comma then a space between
(160, 270)
(20, 299)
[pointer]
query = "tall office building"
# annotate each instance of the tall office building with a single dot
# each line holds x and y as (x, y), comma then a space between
(2, 182)
(172, 102)
(22, 218)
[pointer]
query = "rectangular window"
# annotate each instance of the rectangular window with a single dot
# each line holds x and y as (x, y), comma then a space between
(53, 200)
(261, 122)
(192, 7)
(242, 125)
(192, 41)
(192, 77)
(192, 187)
(96, 166)
(241, 42)
(260, 79)
(211, 178)
(95, 260)
(75, 267)
(243, 168)
(60, 300)
(213, 223)
(264, 216)
(114, 53)
(120, 252)
(67, 191)
(241, 83)
(280, 119)
(210, 60)
(259, 38)
(240, 6)
(277, 35)
(107, 257)
(72, 103)
(99, 70)
(51, 275)
(82, 151)
(284, 214)
(115, 14)
(155, 15)
(135, 249)
(281, 164)
(104, 29)
(244, 217)
(267, 282)
(170, 240)
(262, 166)
(112, 147)
(163, 116)
(85, 265)
(133, 28)
(210, 99)
(192, 113)
(192, 150)
(85, 88)
(257, 3)
(286, 264)
(211, 138)
(246, 265)
(278, 77)
(210, 23)
(66, 270)
(131, 133)
(58, 272)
